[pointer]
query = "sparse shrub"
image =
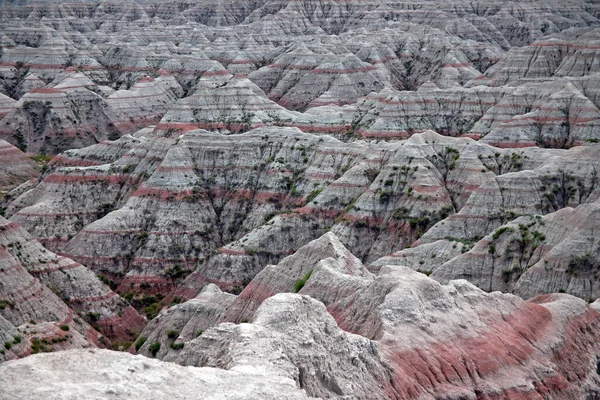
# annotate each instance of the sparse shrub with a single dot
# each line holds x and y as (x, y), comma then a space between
(269, 216)
(151, 311)
(176, 273)
(176, 300)
(41, 345)
(236, 289)
(64, 327)
(172, 334)
(177, 346)
(120, 346)
(584, 264)
(301, 282)
(371, 174)
(385, 196)
(5, 302)
(140, 342)
(313, 194)
(360, 223)
(154, 348)
(500, 231)
(92, 317)
(104, 209)
(129, 168)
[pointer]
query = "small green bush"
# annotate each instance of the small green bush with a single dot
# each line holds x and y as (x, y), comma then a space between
(177, 346)
(154, 348)
(7, 345)
(41, 345)
(152, 310)
(199, 333)
(500, 231)
(128, 296)
(17, 339)
(64, 327)
(172, 334)
(140, 342)
(313, 194)
(301, 282)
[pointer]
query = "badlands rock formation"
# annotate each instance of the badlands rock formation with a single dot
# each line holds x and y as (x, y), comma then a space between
(15, 166)
(218, 208)
(53, 299)
(411, 337)
(524, 74)
(533, 255)
(322, 199)
(66, 115)
(68, 375)
(414, 339)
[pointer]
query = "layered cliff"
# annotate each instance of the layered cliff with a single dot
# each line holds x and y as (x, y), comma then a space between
(15, 167)
(163, 211)
(42, 292)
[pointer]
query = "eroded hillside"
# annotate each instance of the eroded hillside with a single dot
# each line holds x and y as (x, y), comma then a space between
(323, 199)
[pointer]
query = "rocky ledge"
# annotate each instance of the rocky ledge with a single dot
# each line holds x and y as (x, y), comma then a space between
(414, 339)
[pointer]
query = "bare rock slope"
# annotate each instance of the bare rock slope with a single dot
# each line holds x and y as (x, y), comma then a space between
(397, 334)
(52, 298)
(15, 166)
(67, 375)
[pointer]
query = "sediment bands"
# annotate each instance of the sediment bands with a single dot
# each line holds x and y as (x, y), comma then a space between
(300, 199)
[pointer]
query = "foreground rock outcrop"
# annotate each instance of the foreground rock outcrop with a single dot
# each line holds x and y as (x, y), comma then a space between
(414, 338)
(93, 374)
(397, 334)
